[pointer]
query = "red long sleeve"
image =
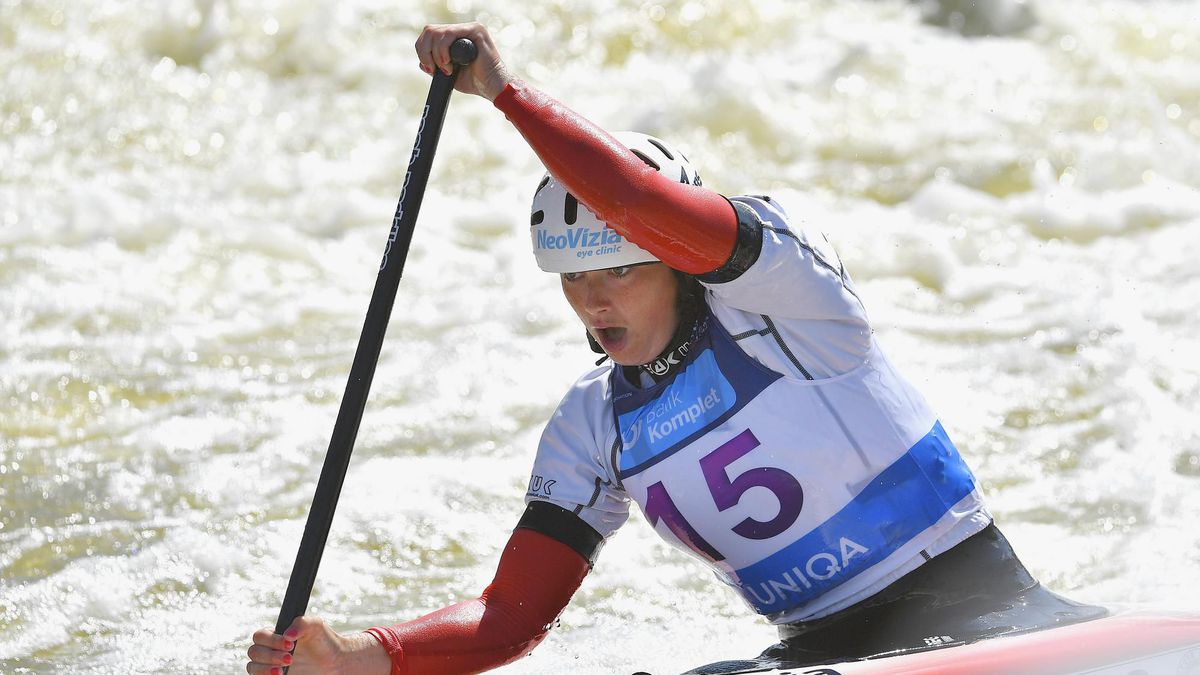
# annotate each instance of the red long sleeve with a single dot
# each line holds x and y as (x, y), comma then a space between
(690, 228)
(535, 579)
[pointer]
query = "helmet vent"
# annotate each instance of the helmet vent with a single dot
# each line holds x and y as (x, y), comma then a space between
(545, 181)
(571, 209)
(537, 218)
(641, 155)
(662, 147)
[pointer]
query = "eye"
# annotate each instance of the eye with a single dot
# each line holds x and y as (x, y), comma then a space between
(620, 271)
(570, 276)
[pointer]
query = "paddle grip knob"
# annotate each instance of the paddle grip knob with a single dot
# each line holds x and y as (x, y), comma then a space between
(463, 51)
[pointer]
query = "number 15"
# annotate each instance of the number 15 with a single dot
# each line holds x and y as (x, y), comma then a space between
(727, 493)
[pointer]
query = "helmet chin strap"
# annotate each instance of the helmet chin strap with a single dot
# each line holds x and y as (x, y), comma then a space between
(596, 347)
(692, 322)
(677, 350)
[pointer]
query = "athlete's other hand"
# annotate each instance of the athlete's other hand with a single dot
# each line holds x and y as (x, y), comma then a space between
(485, 76)
(318, 650)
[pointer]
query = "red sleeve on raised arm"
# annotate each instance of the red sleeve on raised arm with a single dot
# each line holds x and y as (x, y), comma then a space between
(690, 228)
(536, 578)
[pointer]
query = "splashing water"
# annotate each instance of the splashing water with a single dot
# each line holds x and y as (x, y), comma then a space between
(194, 195)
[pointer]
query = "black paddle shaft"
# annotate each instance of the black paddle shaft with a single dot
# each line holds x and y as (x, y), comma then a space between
(370, 342)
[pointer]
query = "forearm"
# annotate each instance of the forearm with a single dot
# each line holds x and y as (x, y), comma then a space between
(364, 654)
(459, 639)
(534, 581)
(688, 227)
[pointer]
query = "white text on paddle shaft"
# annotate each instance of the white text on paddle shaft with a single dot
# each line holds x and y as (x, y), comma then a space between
(404, 191)
(657, 430)
(797, 580)
(591, 242)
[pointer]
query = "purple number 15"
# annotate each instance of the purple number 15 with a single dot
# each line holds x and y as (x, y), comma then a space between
(726, 493)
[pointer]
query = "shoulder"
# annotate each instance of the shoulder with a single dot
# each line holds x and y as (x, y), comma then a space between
(791, 273)
(581, 426)
(586, 405)
(573, 466)
(784, 237)
(594, 385)
(768, 215)
(768, 209)
(764, 228)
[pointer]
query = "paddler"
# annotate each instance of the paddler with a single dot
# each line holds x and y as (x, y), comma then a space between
(744, 405)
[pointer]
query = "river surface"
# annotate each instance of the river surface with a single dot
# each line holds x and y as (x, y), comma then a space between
(194, 197)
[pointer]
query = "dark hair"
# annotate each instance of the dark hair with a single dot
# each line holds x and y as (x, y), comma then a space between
(689, 305)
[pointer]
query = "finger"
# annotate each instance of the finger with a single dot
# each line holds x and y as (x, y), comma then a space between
(304, 626)
(448, 35)
(424, 48)
(260, 669)
(268, 657)
(440, 51)
(478, 34)
(267, 638)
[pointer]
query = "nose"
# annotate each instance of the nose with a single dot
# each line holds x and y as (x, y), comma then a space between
(596, 296)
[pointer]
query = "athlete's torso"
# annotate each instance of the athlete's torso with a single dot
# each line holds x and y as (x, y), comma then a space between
(802, 494)
(786, 451)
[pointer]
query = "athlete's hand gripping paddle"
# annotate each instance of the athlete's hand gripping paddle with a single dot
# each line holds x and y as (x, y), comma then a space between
(370, 342)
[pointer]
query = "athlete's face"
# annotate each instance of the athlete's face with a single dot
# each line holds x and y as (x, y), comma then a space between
(630, 311)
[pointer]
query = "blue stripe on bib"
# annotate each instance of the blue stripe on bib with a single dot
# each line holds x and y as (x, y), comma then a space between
(692, 404)
(922, 485)
(655, 423)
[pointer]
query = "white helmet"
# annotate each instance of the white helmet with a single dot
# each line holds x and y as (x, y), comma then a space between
(567, 236)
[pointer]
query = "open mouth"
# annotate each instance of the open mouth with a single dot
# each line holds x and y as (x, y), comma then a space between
(609, 337)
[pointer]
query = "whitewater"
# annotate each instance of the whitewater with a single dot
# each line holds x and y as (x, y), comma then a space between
(194, 199)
